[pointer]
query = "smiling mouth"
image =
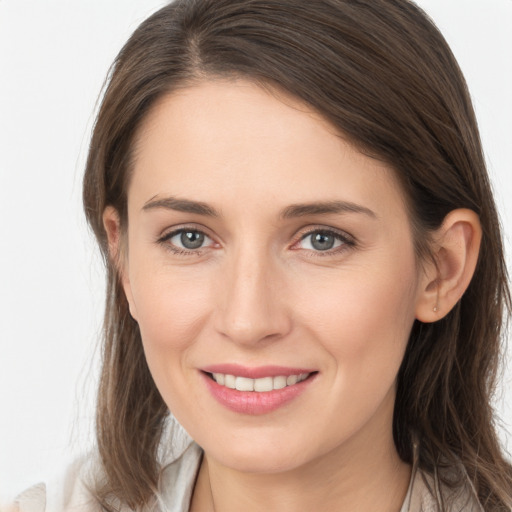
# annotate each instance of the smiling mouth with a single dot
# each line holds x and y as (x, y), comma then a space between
(261, 385)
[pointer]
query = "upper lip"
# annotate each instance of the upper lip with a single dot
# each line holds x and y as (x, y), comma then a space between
(255, 372)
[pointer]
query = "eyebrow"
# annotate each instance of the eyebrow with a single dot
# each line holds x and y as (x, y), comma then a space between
(292, 211)
(325, 208)
(181, 205)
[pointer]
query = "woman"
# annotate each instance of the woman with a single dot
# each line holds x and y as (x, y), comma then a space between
(304, 266)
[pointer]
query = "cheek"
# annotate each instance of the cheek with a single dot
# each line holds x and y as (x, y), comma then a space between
(364, 317)
(363, 324)
(171, 313)
(171, 306)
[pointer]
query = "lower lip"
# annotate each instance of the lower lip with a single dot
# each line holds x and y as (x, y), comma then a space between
(253, 402)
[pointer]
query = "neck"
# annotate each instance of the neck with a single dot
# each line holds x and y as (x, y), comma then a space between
(365, 473)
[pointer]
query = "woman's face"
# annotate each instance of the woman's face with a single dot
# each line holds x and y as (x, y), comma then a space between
(265, 249)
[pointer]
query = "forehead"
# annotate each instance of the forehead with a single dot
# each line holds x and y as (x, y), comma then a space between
(221, 139)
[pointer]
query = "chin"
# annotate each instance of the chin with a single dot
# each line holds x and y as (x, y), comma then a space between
(246, 461)
(268, 454)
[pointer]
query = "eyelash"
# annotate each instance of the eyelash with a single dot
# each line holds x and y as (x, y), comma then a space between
(347, 241)
(164, 240)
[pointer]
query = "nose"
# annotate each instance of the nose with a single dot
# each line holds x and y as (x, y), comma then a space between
(251, 306)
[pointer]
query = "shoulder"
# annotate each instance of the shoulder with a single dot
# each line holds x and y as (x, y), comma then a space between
(31, 500)
(428, 492)
(70, 491)
(73, 490)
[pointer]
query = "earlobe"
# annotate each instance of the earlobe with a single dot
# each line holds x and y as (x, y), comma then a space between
(112, 225)
(455, 255)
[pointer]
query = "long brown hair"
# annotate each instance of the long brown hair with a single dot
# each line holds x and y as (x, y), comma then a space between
(381, 72)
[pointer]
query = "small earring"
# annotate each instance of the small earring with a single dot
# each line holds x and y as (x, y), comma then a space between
(435, 309)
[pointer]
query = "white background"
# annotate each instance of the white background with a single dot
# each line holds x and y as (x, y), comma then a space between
(54, 55)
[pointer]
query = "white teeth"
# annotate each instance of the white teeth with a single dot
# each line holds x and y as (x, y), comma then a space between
(259, 385)
(219, 377)
(279, 382)
(244, 384)
(291, 380)
(230, 381)
(264, 384)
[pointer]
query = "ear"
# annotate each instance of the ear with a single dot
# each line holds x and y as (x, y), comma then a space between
(455, 255)
(117, 253)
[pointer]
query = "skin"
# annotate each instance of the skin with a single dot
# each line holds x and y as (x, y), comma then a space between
(259, 293)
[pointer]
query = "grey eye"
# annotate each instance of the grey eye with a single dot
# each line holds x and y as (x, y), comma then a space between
(191, 239)
(187, 239)
(321, 241)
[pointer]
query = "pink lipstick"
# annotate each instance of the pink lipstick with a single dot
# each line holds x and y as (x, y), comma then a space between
(256, 390)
